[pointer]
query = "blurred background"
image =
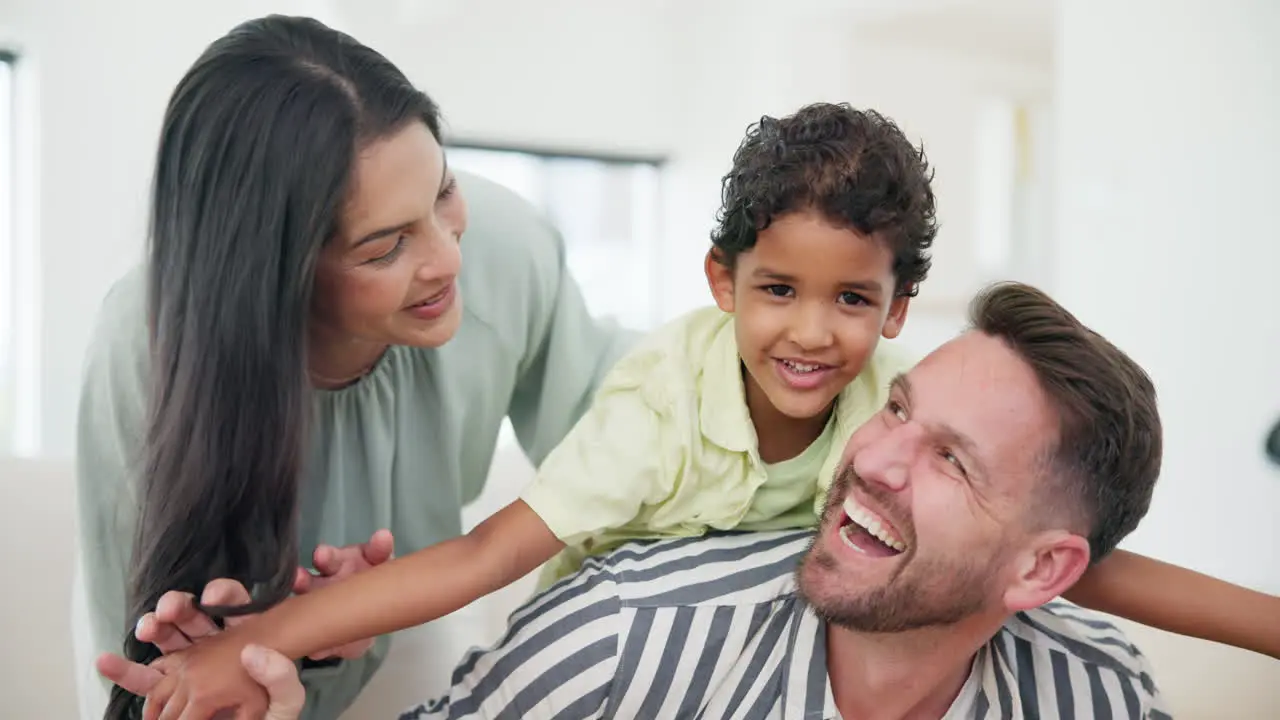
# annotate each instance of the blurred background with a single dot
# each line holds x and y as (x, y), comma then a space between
(1121, 154)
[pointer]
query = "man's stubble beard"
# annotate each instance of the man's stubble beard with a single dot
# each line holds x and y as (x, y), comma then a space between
(920, 593)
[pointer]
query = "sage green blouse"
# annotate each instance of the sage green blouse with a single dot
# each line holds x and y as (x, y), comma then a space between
(404, 448)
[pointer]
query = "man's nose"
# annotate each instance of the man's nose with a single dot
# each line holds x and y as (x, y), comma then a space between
(888, 459)
(811, 330)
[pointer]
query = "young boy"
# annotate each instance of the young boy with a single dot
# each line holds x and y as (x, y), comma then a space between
(730, 417)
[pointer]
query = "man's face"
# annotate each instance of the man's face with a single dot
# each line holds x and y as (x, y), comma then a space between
(926, 516)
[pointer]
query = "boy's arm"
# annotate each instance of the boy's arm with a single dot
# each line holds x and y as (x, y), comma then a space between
(1181, 601)
(614, 460)
(402, 593)
(411, 590)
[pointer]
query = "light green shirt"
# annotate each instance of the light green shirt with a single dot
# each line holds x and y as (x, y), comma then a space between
(403, 449)
(668, 448)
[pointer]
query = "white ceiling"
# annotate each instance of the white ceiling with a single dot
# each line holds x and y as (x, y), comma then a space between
(1015, 31)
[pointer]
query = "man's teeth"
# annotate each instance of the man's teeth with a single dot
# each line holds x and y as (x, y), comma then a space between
(801, 367)
(871, 523)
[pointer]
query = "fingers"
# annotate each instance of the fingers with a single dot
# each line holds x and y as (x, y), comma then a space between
(379, 549)
(178, 608)
(225, 591)
(165, 636)
(137, 679)
(175, 706)
(158, 700)
(279, 677)
(327, 560)
(301, 581)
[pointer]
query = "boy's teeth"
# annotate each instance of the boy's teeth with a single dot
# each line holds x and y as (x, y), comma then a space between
(800, 367)
(871, 524)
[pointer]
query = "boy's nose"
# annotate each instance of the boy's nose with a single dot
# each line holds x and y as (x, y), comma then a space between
(811, 331)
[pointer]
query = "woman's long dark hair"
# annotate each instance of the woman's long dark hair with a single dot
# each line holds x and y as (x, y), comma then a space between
(255, 161)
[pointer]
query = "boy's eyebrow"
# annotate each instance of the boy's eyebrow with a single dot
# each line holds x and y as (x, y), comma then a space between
(867, 286)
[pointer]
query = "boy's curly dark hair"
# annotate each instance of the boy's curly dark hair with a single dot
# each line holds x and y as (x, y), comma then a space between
(856, 167)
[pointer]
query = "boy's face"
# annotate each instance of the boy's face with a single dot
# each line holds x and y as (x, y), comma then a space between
(810, 302)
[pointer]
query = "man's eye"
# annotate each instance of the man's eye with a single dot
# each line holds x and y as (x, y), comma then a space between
(951, 458)
(897, 410)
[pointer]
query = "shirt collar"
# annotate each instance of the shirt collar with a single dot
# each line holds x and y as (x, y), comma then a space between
(722, 409)
(805, 685)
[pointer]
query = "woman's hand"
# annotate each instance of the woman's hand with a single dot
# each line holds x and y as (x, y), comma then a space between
(333, 564)
(177, 624)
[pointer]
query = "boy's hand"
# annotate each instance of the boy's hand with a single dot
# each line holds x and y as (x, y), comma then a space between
(201, 681)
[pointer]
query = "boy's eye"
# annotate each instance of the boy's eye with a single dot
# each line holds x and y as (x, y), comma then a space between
(778, 290)
(853, 298)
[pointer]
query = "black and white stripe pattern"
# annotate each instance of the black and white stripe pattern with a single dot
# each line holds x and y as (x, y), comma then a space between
(710, 628)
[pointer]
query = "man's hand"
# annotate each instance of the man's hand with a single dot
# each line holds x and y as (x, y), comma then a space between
(279, 678)
(333, 564)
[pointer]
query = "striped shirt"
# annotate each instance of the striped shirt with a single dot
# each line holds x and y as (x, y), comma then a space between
(712, 628)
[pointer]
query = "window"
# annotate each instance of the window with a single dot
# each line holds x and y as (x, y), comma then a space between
(8, 253)
(1009, 189)
(607, 208)
(19, 337)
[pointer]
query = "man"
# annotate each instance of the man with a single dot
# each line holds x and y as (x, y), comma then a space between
(1003, 464)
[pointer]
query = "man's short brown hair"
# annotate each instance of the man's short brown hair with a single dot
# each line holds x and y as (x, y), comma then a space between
(1103, 465)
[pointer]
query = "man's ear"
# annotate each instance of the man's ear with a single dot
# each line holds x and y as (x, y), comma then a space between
(897, 317)
(720, 280)
(1045, 570)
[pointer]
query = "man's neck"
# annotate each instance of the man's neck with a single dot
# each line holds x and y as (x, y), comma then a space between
(914, 675)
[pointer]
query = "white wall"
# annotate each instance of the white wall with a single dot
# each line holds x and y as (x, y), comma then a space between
(679, 79)
(102, 74)
(1167, 244)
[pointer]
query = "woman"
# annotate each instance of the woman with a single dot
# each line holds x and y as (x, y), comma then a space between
(304, 359)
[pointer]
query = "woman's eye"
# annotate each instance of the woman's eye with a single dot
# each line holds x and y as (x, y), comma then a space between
(390, 256)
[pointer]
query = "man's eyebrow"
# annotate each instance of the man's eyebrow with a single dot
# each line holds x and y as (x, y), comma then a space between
(902, 384)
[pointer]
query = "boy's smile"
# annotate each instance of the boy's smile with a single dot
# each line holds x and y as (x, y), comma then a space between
(810, 302)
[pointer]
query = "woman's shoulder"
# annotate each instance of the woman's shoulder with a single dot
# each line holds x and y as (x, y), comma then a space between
(511, 251)
(119, 339)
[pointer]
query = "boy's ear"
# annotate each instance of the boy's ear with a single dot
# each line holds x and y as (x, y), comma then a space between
(720, 280)
(897, 317)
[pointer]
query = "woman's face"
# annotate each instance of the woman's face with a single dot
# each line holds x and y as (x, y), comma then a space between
(389, 276)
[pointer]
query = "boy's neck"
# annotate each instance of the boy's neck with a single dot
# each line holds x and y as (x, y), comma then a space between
(779, 437)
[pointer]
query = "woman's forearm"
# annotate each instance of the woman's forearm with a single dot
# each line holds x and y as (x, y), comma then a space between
(408, 591)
